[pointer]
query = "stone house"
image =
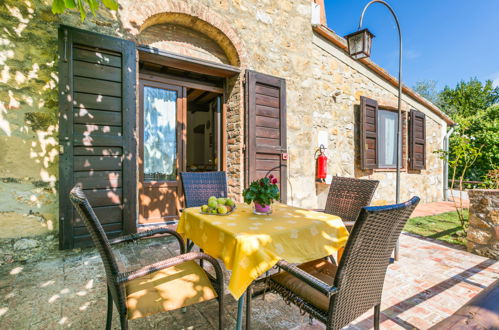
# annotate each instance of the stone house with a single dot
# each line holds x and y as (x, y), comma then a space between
(125, 100)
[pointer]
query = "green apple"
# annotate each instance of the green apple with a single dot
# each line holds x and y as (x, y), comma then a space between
(229, 202)
(222, 209)
(205, 208)
(213, 203)
(214, 211)
(221, 201)
(212, 198)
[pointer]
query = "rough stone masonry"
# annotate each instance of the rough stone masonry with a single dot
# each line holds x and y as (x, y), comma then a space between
(270, 36)
(483, 232)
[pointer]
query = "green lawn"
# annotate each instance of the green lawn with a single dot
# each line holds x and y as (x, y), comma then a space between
(445, 227)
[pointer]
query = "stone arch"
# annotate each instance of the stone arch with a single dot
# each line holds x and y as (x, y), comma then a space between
(193, 16)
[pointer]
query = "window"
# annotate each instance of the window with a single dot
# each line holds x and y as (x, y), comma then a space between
(160, 141)
(378, 131)
(387, 138)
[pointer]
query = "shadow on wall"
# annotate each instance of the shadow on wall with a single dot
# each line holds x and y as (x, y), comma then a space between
(29, 116)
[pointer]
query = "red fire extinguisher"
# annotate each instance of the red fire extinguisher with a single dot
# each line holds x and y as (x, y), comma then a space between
(321, 170)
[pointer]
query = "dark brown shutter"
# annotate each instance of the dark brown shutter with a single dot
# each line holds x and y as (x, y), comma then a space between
(417, 140)
(368, 133)
(266, 149)
(97, 125)
(404, 139)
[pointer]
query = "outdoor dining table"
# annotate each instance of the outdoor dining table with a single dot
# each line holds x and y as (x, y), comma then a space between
(250, 244)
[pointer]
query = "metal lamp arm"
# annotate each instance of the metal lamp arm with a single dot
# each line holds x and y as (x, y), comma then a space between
(399, 125)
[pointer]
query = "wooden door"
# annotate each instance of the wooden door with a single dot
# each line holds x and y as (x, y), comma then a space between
(162, 118)
(96, 132)
(266, 147)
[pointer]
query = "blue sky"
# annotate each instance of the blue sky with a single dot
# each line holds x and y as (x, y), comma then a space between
(443, 40)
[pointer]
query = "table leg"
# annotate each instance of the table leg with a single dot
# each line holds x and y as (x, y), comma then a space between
(239, 320)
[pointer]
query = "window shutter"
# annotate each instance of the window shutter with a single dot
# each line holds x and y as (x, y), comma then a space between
(266, 148)
(97, 127)
(368, 133)
(417, 140)
(404, 140)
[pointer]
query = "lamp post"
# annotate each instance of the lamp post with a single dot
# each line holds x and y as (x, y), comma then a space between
(359, 46)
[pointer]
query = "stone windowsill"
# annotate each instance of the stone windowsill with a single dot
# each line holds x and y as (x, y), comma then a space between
(377, 170)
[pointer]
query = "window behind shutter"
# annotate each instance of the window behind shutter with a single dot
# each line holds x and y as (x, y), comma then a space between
(97, 125)
(368, 133)
(417, 140)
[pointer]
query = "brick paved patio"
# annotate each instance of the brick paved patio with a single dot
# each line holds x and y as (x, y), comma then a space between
(434, 208)
(429, 282)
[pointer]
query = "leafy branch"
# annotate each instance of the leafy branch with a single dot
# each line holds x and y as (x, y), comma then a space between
(60, 6)
(463, 156)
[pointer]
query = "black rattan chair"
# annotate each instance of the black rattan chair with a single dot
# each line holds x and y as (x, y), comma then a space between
(199, 186)
(347, 196)
(337, 295)
(165, 285)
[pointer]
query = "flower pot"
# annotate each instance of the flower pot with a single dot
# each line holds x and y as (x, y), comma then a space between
(262, 209)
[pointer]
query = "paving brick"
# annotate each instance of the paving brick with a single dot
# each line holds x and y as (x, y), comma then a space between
(428, 283)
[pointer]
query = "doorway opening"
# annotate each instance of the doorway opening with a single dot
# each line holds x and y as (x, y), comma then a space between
(204, 134)
(181, 129)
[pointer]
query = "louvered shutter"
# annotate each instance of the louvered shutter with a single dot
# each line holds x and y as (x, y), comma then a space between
(404, 140)
(97, 125)
(368, 133)
(417, 140)
(266, 128)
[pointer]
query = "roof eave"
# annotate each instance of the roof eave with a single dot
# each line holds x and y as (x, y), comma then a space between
(338, 41)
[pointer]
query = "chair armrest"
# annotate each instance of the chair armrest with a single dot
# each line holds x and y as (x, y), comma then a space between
(128, 276)
(314, 282)
(148, 233)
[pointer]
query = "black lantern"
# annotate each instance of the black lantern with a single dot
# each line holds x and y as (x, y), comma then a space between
(359, 44)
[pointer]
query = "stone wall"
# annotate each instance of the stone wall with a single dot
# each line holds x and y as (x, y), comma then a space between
(270, 36)
(29, 124)
(483, 232)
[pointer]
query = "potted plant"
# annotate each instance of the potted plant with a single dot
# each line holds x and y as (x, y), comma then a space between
(262, 192)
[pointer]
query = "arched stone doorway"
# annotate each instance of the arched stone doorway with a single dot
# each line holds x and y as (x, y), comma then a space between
(192, 65)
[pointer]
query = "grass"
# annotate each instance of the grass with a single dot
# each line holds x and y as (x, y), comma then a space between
(445, 227)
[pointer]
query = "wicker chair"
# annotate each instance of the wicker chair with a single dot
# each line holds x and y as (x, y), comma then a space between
(162, 286)
(337, 295)
(347, 196)
(199, 186)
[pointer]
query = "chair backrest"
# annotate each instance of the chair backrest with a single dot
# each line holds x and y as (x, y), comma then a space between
(347, 196)
(199, 186)
(99, 238)
(362, 268)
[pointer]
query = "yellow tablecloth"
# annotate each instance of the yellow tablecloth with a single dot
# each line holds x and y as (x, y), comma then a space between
(250, 244)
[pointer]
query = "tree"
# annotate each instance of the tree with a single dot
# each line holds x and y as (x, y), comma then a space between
(467, 98)
(461, 158)
(483, 130)
(59, 6)
(428, 90)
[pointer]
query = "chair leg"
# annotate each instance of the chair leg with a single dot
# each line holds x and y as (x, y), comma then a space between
(249, 292)
(124, 322)
(377, 312)
(109, 319)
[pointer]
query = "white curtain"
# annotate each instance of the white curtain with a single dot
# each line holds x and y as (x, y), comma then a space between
(160, 141)
(387, 126)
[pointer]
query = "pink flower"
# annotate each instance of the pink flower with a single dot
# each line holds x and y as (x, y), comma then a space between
(274, 181)
(271, 176)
